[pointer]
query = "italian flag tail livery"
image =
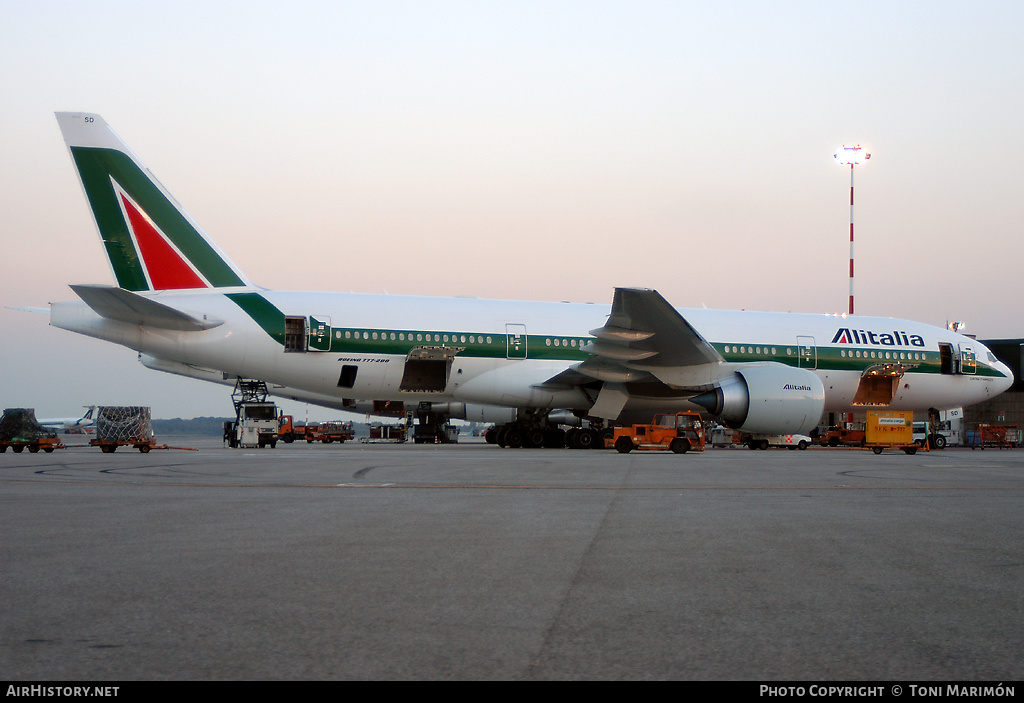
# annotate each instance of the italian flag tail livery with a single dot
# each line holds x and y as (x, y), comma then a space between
(152, 244)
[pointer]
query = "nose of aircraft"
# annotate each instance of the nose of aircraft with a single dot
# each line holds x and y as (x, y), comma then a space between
(1002, 384)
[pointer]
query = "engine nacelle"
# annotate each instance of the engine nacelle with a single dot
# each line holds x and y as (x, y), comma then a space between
(475, 413)
(768, 399)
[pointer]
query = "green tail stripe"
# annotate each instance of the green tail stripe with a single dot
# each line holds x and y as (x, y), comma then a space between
(96, 167)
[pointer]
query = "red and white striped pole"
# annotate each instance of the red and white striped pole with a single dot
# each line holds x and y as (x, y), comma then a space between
(851, 239)
(851, 155)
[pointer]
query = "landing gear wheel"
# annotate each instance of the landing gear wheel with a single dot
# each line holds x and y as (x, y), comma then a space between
(570, 438)
(514, 438)
(534, 439)
(585, 439)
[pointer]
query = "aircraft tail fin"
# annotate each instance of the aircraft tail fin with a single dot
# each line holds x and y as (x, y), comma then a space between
(150, 241)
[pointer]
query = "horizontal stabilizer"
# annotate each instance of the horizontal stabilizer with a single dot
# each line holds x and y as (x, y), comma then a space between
(124, 306)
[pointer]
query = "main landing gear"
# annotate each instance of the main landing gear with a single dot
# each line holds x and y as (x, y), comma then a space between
(515, 436)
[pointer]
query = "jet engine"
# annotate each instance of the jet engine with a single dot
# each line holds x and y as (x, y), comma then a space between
(475, 413)
(767, 399)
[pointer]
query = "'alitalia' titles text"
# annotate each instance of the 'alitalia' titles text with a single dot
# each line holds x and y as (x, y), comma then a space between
(896, 338)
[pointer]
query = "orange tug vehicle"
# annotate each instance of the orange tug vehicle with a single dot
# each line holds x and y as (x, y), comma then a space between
(680, 433)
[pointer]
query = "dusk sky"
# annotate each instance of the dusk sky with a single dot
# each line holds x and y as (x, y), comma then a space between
(520, 150)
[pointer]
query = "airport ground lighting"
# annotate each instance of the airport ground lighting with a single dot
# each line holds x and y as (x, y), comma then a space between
(854, 156)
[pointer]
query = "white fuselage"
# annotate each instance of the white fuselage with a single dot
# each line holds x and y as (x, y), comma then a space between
(501, 352)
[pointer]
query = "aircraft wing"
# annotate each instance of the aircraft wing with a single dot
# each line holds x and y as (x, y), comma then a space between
(646, 337)
(125, 306)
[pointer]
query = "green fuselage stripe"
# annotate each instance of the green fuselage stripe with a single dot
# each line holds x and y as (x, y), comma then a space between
(353, 340)
(263, 312)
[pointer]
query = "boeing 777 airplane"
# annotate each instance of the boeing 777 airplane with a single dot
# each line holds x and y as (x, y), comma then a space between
(527, 366)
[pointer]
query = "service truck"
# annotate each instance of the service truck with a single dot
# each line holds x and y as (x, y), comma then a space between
(680, 433)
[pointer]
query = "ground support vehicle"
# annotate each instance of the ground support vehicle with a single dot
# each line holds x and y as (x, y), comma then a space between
(288, 431)
(852, 434)
(679, 433)
(123, 426)
(432, 428)
(720, 436)
(256, 419)
(381, 433)
(891, 429)
(47, 444)
(435, 434)
(925, 433)
(332, 431)
(110, 446)
(19, 430)
(1001, 436)
(255, 426)
(789, 441)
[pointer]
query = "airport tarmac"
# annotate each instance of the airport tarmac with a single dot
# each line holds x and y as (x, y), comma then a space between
(472, 562)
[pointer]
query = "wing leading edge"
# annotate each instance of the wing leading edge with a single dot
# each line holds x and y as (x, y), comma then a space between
(645, 338)
(644, 343)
